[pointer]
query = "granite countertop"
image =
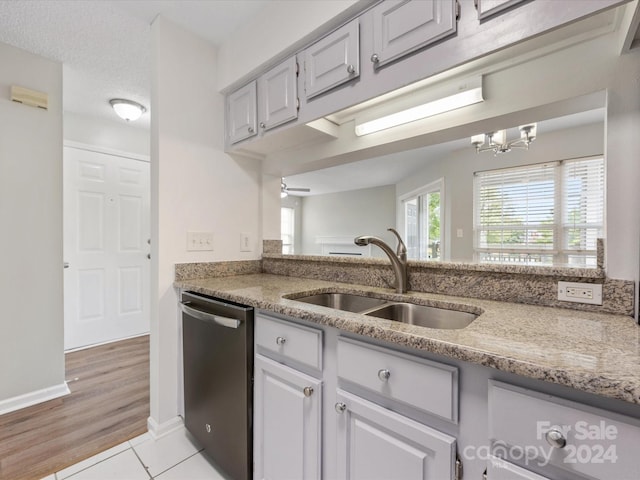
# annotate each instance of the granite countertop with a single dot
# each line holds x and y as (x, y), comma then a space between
(593, 352)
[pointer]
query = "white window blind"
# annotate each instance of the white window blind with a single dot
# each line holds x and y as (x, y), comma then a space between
(548, 214)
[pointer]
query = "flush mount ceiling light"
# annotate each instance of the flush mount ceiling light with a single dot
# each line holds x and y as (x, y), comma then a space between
(127, 109)
(436, 99)
(498, 140)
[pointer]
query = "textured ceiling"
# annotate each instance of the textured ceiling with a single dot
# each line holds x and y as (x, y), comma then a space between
(105, 45)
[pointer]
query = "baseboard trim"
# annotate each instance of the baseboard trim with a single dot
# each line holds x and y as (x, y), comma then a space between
(32, 398)
(158, 430)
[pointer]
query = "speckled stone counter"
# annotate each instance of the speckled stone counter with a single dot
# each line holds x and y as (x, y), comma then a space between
(597, 353)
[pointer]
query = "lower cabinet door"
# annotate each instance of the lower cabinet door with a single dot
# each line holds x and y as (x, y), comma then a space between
(287, 428)
(376, 443)
(498, 469)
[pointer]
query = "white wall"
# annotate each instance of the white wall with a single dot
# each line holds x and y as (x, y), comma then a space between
(114, 135)
(458, 168)
(369, 211)
(195, 186)
(280, 27)
(31, 274)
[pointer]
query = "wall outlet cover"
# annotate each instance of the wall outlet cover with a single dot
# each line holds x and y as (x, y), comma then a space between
(579, 292)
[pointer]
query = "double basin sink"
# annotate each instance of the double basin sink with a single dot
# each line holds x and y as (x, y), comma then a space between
(410, 313)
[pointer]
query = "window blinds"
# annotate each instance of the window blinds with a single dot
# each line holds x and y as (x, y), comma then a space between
(549, 213)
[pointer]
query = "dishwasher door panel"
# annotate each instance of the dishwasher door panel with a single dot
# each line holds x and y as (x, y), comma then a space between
(218, 359)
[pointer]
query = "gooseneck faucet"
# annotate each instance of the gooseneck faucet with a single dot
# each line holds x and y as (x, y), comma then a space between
(398, 258)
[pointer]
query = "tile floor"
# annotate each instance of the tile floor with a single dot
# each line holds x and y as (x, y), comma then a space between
(175, 456)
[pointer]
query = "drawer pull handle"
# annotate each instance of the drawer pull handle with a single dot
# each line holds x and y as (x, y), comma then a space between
(308, 391)
(281, 340)
(555, 438)
(384, 374)
(340, 407)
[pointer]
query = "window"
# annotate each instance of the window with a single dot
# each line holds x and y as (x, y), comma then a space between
(546, 214)
(422, 222)
(287, 229)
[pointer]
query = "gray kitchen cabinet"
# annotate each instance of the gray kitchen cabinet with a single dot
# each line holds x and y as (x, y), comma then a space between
(561, 438)
(333, 60)
(287, 416)
(401, 27)
(373, 442)
(278, 95)
(287, 401)
(242, 113)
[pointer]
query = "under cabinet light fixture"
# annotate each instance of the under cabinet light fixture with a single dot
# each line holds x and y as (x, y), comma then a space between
(127, 109)
(441, 99)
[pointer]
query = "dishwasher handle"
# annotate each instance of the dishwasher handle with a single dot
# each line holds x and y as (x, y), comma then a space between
(209, 317)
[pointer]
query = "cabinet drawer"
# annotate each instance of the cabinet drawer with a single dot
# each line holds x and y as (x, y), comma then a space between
(428, 386)
(289, 341)
(598, 444)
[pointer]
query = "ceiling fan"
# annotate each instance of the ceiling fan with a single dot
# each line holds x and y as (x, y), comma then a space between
(284, 190)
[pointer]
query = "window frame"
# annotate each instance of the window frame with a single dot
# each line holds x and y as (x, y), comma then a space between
(437, 186)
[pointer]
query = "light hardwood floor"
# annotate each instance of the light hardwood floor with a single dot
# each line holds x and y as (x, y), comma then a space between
(108, 404)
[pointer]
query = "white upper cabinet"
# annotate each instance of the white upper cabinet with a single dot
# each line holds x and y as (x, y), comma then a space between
(278, 95)
(333, 60)
(401, 27)
(241, 113)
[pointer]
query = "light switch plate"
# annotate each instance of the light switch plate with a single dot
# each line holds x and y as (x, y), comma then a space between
(199, 241)
(580, 292)
(245, 242)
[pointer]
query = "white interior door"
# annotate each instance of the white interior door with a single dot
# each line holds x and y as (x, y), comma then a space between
(106, 232)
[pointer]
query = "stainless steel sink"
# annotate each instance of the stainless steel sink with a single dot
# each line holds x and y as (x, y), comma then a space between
(422, 315)
(343, 301)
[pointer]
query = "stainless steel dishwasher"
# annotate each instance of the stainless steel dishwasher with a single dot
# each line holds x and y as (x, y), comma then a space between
(217, 343)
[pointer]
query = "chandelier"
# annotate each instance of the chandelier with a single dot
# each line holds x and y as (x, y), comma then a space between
(498, 143)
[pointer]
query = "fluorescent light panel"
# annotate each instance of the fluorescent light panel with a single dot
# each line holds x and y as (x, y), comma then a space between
(473, 94)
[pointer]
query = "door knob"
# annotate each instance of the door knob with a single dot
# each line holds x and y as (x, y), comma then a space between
(351, 69)
(340, 407)
(281, 340)
(375, 58)
(384, 374)
(308, 391)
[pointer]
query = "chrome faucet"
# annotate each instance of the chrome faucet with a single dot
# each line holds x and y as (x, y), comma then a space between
(398, 259)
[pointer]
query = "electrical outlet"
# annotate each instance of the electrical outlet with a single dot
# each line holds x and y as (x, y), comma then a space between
(580, 292)
(199, 241)
(245, 242)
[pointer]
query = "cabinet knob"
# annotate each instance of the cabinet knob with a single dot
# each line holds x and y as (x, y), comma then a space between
(281, 340)
(351, 69)
(262, 125)
(384, 374)
(308, 391)
(555, 438)
(251, 130)
(375, 58)
(340, 407)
